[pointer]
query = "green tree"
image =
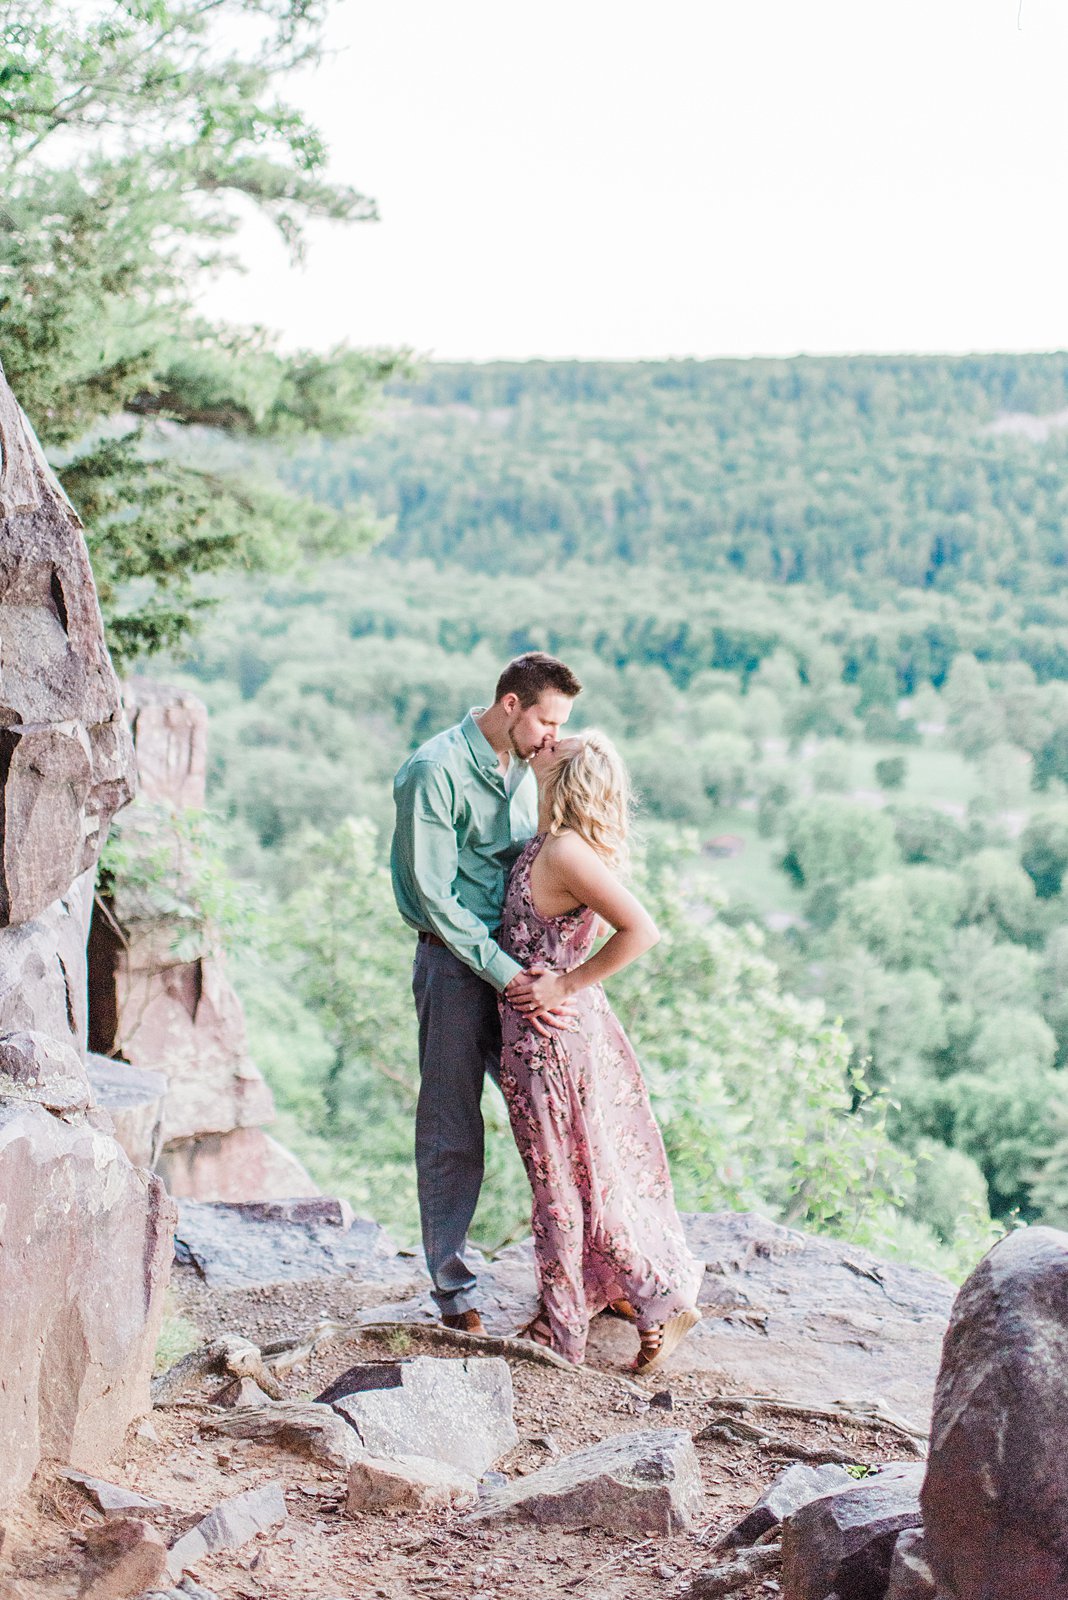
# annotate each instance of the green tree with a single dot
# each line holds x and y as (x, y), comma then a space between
(130, 135)
(950, 1188)
(831, 768)
(1048, 1178)
(998, 890)
(1014, 1038)
(1002, 1119)
(1051, 758)
(982, 974)
(906, 918)
(832, 843)
(1044, 850)
(890, 772)
(925, 833)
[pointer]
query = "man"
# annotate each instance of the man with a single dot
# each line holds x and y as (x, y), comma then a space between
(466, 805)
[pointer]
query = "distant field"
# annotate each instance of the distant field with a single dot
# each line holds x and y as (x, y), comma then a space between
(934, 775)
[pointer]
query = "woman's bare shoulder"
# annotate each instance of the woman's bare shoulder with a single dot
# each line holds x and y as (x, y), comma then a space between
(568, 846)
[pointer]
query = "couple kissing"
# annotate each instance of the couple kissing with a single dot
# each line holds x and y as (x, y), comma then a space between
(508, 860)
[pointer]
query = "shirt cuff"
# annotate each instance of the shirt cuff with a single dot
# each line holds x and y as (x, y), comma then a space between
(501, 970)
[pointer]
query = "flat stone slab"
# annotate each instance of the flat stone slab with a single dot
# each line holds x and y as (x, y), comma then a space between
(230, 1525)
(111, 1498)
(409, 1483)
(455, 1411)
(239, 1245)
(301, 1426)
(636, 1484)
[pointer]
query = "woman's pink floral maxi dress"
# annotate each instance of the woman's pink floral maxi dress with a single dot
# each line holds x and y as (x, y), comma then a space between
(605, 1224)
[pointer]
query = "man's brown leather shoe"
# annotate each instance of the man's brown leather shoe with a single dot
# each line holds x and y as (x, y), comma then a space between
(465, 1322)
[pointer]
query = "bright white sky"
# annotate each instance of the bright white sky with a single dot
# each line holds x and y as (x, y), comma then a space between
(624, 179)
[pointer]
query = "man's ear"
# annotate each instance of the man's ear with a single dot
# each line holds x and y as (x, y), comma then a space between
(509, 704)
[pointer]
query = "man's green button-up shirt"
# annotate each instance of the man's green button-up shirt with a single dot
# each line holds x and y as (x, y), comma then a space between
(458, 832)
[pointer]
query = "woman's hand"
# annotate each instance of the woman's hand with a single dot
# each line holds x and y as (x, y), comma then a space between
(538, 990)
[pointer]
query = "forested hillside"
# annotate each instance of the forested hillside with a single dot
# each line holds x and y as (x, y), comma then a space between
(819, 604)
(862, 474)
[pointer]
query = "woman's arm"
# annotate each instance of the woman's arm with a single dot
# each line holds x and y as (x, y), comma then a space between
(578, 870)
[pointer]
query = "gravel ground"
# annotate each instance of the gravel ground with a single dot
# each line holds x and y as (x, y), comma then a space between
(323, 1554)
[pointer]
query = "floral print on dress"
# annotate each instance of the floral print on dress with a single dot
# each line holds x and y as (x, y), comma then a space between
(604, 1219)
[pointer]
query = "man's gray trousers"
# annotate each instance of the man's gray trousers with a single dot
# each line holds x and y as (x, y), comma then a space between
(459, 1042)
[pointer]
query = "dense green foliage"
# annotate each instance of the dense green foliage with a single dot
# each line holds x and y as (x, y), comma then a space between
(879, 768)
(869, 472)
(754, 1090)
(130, 135)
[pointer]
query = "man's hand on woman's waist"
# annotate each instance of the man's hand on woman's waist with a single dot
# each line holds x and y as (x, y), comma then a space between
(542, 999)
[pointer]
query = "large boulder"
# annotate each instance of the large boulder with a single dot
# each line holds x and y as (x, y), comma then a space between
(180, 1017)
(844, 1543)
(233, 1166)
(85, 1247)
(42, 969)
(455, 1411)
(85, 1238)
(635, 1484)
(995, 1500)
(66, 759)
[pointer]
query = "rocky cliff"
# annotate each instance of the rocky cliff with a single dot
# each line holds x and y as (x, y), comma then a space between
(167, 1030)
(85, 1236)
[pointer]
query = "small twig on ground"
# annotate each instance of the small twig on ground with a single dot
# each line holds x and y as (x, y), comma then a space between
(856, 1414)
(617, 1555)
(731, 1575)
(731, 1431)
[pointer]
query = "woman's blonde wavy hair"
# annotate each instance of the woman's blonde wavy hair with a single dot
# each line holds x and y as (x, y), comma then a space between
(589, 791)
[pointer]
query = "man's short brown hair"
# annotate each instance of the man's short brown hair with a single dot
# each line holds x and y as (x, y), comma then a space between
(529, 676)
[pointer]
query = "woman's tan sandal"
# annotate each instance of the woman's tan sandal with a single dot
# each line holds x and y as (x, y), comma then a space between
(658, 1343)
(538, 1330)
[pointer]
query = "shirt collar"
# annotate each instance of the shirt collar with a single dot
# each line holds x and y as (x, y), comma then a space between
(481, 749)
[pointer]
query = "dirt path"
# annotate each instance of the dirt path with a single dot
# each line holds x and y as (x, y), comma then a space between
(323, 1554)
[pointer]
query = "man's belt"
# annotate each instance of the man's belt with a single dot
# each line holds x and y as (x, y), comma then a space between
(431, 938)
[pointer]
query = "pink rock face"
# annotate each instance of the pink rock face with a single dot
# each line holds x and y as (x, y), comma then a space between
(170, 731)
(185, 1020)
(246, 1164)
(38, 1068)
(995, 1499)
(66, 758)
(85, 1248)
(133, 1098)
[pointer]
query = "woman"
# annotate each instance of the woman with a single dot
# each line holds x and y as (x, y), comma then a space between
(605, 1224)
